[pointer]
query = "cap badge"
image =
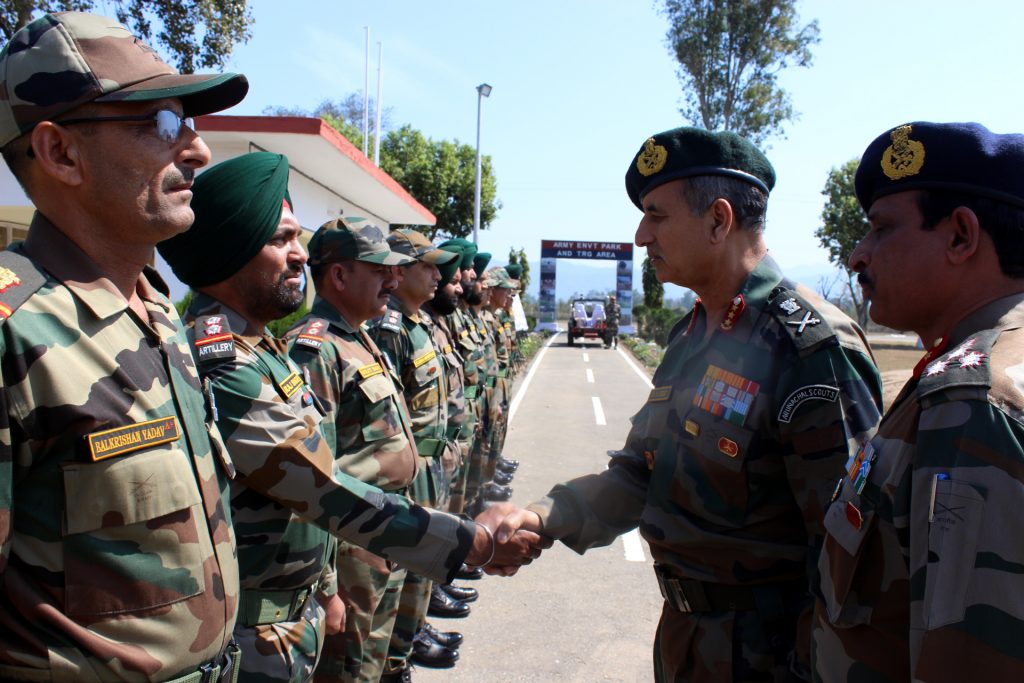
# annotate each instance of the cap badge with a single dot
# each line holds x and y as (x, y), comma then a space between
(904, 157)
(652, 159)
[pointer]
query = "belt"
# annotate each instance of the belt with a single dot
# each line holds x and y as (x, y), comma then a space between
(453, 432)
(503, 373)
(257, 607)
(491, 381)
(430, 448)
(470, 392)
(689, 596)
(224, 669)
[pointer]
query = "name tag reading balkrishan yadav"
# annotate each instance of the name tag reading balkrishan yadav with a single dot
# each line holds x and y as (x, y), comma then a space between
(113, 442)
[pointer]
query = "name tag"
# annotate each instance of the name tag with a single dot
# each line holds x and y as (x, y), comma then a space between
(659, 394)
(424, 359)
(133, 437)
(447, 348)
(291, 384)
(371, 370)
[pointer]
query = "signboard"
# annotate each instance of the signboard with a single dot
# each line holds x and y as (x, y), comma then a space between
(552, 250)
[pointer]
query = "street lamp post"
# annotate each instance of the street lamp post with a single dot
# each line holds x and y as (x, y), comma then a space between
(483, 90)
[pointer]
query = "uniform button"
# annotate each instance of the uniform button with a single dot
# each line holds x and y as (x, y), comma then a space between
(277, 614)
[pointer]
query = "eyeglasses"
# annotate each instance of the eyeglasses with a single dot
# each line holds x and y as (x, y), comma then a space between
(168, 124)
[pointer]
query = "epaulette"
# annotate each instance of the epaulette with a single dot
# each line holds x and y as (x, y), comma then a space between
(967, 365)
(213, 340)
(19, 280)
(807, 328)
(391, 321)
(679, 327)
(312, 335)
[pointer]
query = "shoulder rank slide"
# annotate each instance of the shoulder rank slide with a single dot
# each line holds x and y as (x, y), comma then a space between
(802, 323)
(19, 280)
(214, 341)
(965, 365)
(391, 320)
(312, 335)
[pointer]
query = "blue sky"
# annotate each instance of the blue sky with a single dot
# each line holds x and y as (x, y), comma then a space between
(580, 84)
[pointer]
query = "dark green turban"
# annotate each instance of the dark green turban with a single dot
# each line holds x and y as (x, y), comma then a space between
(480, 262)
(238, 208)
(448, 270)
(468, 251)
(515, 271)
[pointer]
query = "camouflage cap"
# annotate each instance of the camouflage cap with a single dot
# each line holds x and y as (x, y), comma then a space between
(416, 245)
(63, 60)
(498, 277)
(352, 238)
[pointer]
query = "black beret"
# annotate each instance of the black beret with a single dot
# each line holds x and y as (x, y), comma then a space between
(687, 152)
(959, 157)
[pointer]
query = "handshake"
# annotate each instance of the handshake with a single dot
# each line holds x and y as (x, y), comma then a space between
(507, 537)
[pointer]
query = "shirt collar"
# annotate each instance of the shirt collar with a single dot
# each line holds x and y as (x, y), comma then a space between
(204, 304)
(55, 252)
(326, 310)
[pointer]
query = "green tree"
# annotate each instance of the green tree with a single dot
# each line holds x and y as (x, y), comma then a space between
(199, 34)
(654, 291)
(843, 224)
(518, 257)
(441, 175)
(730, 53)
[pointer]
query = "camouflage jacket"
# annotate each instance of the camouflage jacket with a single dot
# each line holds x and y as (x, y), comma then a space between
(612, 312)
(922, 573)
(499, 333)
(286, 460)
(455, 373)
(729, 464)
(367, 423)
(261, 405)
(118, 556)
(408, 343)
(468, 343)
(488, 367)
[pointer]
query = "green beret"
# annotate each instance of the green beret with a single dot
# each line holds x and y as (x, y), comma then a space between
(480, 262)
(449, 269)
(687, 152)
(237, 204)
(515, 271)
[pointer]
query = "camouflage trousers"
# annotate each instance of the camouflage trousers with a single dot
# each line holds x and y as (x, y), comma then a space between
(729, 647)
(282, 651)
(371, 589)
(499, 426)
(474, 467)
(457, 502)
(412, 613)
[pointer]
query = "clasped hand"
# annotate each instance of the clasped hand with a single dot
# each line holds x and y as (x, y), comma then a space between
(516, 538)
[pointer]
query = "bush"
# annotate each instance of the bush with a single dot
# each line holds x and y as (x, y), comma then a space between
(654, 324)
(648, 353)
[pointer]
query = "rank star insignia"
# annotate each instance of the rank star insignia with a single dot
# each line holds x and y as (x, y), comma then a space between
(736, 308)
(962, 349)
(807, 321)
(936, 368)
(971, 359)
(789, 306)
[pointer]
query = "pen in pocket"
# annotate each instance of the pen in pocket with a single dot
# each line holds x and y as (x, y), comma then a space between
(942, 476)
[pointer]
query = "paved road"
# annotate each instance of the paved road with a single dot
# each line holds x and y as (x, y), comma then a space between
(565, 617)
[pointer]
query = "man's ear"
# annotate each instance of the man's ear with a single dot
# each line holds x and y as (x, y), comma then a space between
(964, 235)
(336, 274)
(58, 153)
(720, 216)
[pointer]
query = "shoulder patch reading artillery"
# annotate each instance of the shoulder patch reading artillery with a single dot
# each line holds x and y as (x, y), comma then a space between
(213, 339)
(134, 437)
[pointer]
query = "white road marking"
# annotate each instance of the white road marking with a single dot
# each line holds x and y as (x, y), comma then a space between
(518, 398)
(598, 411)
(637, 370)
(590, 375)
(586, 357)
(633, 547)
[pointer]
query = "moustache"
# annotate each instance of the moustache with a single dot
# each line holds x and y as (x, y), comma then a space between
(179, 177)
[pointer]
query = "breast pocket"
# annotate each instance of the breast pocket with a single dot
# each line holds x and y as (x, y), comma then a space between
(952, 550)
(849, 521)
(382, 419)
(712, 457)
(135, 535)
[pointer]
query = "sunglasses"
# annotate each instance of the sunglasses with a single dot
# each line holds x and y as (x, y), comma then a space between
(168, 124)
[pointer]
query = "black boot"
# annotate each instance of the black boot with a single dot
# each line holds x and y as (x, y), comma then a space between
(450, 639)
(444, 605)
(502, 478)
(403, 675)
(426, 652)
(507, 465)
(461, 593)
(495, 492)
(470, 574)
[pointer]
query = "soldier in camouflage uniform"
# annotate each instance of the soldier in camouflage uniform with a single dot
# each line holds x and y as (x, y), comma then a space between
(405, 334)
(117, 557)
(499, 325)
(921, 572)
(244, 262)
(366, 424)
(764, 392)
(612, 313)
